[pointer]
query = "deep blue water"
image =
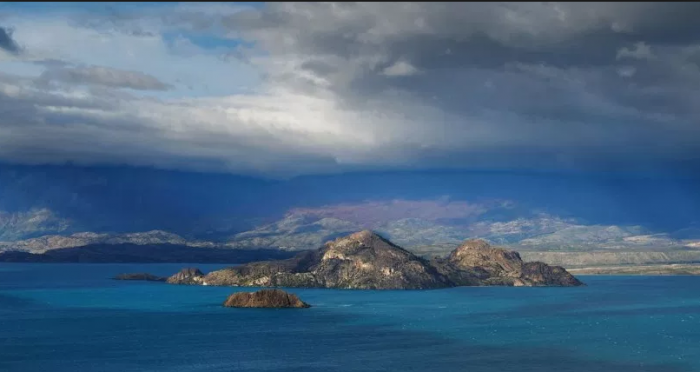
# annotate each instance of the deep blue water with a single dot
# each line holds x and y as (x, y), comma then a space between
(72, 317)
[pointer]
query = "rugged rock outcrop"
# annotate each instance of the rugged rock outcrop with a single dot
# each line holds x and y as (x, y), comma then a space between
(362, 260)
(269, 298)
(140, 276)
(365, 260)
(475, 262)
(187, 276)
(541, 274)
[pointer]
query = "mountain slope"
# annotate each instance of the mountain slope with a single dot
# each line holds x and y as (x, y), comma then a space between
(31, 223)
(49, 242)
(538, 231)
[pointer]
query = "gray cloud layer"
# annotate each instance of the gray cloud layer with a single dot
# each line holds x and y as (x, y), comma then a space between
(408, 85)
(7, 43)
(104, 76)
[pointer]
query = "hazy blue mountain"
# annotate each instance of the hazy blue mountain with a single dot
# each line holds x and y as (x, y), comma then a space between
(126, 199)
(49, 242)
(506, 208)
(32, 223)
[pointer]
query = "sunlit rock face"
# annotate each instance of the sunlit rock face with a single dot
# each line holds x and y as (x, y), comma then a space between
(187, 276)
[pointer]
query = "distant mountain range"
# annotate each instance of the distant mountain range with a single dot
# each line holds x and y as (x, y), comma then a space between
(50, 242)
(90, 213)
(426, 227)
(500, 223)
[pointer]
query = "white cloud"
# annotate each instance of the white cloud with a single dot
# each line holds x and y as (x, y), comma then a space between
(400, 68)
(206, 72)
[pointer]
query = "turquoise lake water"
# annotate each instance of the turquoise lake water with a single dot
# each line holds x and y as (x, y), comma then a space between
(72, 317)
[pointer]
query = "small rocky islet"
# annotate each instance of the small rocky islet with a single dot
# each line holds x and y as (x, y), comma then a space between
(265, 298)
(365, 260)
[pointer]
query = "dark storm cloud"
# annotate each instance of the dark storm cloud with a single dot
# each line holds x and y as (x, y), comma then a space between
(457, 37)
(566, 79)
(7, 43)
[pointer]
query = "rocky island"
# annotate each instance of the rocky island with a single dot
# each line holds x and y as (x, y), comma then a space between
(265, 298)
(365, 260)
(140, 276)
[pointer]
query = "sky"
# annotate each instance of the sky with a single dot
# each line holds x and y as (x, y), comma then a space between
(288, 89)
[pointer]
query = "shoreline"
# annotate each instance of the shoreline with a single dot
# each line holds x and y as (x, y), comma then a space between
(649, 270)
